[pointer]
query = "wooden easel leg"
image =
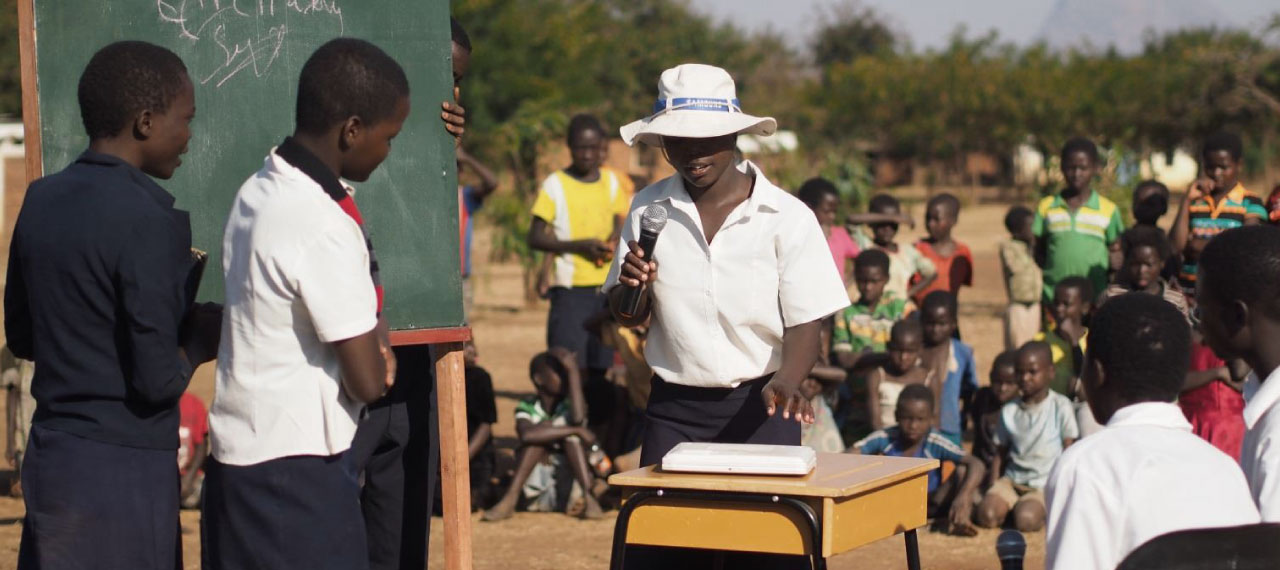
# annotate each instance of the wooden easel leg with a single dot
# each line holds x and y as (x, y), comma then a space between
(455, 466)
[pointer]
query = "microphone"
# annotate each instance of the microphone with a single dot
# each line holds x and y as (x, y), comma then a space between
(1011, 547)
(652, 221)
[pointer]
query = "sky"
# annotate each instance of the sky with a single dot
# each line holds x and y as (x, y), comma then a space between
(928, 23)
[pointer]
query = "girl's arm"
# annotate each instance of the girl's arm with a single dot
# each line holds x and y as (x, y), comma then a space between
(799, 353)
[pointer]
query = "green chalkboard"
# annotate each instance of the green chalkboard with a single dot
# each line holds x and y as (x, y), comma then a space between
(244, 57)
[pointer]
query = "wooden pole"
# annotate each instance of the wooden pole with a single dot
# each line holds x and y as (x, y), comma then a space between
(30, 94)
(455, 465)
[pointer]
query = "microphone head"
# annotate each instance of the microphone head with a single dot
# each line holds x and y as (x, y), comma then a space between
(1011, 545)
(653, 219)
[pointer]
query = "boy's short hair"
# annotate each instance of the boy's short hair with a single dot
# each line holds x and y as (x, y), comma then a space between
(883, 202)
(348, 77)
(1152, 183)
(459, 34)
(1016, 217)
(124, 79)
(937, 299)
(1007, 358)
(814, 190)
(916, 393)
(1223, 140)
(906, 326)
(583, 122)
(1039, 346)
(1142, 343)
(1079, 283)
(1245, 263)
(946, 200)
(870, 258)
(1079, 144)
(1145, 236)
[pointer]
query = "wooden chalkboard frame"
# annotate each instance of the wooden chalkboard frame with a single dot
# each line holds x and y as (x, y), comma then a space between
(446, 343)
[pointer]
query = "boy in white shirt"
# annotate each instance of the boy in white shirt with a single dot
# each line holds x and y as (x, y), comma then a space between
(1145, 474)
(1238, 291)
(302, 349)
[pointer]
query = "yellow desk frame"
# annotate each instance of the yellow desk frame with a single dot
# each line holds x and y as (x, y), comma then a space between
(846, 502)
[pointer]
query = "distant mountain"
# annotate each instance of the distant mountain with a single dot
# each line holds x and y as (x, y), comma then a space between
(1122, 23)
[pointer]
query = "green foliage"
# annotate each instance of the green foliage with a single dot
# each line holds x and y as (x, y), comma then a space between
(10, 67)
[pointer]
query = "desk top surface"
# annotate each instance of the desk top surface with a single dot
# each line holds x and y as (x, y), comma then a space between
(837, 475)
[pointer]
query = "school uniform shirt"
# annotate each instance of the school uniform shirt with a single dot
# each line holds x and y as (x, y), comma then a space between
(887, 441)
(530, 409)
(1034, 433)
(1207, 218)
(95, 298)
(1260, 455)
(297, 272)
(720, 309)
(1077, 241)
(578, 210)
(1142, 476)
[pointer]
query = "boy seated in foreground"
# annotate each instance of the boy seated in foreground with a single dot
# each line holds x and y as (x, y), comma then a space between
(915, 436)
(1035, 428)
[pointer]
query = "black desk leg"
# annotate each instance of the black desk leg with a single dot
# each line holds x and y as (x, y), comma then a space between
(806, 512)
(913, 550)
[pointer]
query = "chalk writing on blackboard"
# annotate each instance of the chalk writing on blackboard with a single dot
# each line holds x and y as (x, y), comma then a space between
(235, 36)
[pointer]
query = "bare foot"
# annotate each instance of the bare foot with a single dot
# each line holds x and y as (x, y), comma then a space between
(592, 510)
(500, 511)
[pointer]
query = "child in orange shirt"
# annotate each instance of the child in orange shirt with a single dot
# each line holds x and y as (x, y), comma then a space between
(952, 259)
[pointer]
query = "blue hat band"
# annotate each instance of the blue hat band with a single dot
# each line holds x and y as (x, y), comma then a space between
(697, 104)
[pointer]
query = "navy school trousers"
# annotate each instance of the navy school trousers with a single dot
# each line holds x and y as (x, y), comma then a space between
(97, 505)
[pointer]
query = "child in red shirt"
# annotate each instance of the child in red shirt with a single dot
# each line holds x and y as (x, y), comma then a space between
(193, 448)
(953, 259)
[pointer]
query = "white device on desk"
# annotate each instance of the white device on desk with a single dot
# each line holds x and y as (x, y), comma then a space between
(741, 458)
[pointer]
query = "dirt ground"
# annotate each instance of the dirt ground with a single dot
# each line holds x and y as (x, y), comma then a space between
(507, 334)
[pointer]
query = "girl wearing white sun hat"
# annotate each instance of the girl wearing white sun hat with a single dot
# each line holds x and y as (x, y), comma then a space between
(746, 279)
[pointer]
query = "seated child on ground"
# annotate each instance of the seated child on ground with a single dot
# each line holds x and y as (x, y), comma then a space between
(914, 436)
(554, 440)
(951, 259)
(1034, 429)
(883, 215)
(1022, 278)
(1145, 474)
(887, 382)
(193, 448)
(948, 359)
(985, 409)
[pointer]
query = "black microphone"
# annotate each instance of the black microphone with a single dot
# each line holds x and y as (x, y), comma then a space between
(652, 221)
(1011, 547)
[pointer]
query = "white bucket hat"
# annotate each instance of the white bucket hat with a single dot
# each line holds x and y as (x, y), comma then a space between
(695, 101)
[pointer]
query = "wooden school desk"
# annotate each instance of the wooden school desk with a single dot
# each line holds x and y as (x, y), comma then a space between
(846, 502)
